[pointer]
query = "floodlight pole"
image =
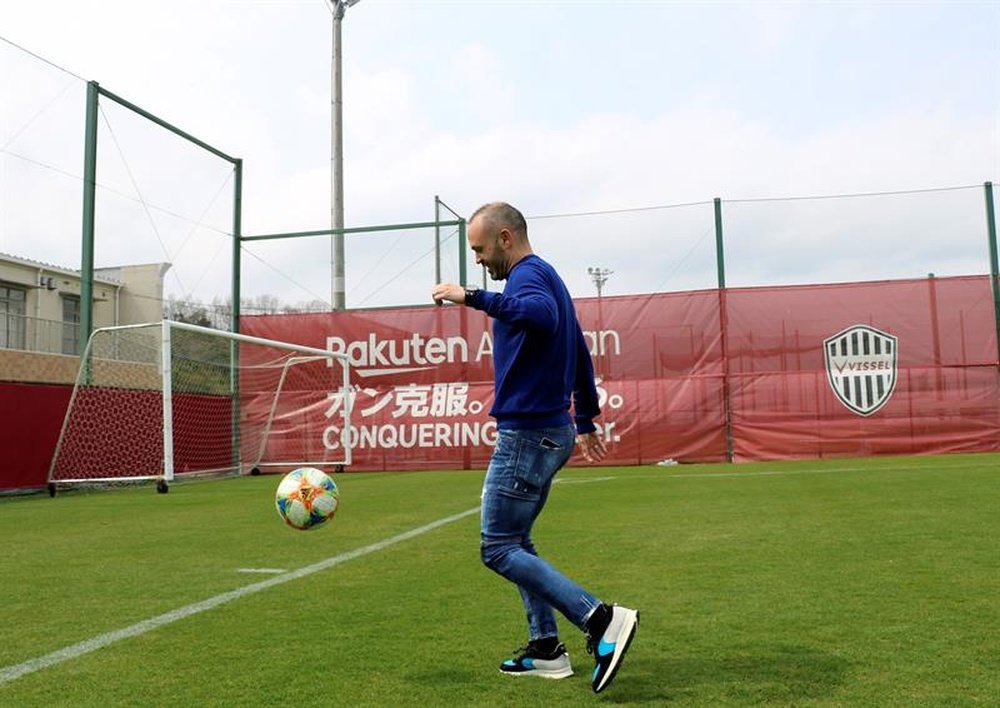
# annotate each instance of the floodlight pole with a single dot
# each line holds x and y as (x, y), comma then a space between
(337, 300)
(600, 277)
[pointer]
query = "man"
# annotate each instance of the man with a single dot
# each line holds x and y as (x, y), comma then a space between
(541, 363)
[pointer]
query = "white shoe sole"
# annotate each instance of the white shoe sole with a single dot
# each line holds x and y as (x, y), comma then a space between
(554, 669)
(621, 631)
(564, 673)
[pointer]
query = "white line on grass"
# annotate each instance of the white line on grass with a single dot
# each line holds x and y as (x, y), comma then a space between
(73, 651)
(828, 470)
(707, 475)
(771, 473)
(584, 480)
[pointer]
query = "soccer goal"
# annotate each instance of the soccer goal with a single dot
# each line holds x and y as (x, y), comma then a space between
(162, 400)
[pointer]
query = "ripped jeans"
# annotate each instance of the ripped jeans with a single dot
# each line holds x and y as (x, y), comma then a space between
(517, 484)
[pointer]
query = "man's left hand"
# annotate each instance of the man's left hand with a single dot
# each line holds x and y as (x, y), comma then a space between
(592, 446)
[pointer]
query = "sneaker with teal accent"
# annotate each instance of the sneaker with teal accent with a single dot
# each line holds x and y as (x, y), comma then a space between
(530, 661)
(608, 644)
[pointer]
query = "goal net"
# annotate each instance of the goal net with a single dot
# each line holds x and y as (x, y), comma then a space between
(166, 399)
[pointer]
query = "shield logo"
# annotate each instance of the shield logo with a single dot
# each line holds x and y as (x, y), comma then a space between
(861, 367)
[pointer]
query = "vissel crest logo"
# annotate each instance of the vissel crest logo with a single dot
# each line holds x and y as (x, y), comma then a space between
(861, 367)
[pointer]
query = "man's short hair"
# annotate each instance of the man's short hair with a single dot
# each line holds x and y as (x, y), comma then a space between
(501, 215)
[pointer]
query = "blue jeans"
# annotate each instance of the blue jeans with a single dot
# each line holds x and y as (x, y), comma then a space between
(517, 484)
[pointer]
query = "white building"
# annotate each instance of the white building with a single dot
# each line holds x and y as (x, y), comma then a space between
(40, 305)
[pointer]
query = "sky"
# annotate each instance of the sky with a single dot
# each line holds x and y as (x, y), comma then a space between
(612, 125)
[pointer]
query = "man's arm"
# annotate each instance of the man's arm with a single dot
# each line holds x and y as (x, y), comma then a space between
(530, 304)
(586, 405)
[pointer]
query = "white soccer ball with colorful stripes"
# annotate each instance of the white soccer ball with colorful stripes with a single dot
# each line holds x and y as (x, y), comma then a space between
(307, 498)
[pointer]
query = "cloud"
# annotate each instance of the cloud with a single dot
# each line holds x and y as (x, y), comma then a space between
(620, 162)
(775, 101)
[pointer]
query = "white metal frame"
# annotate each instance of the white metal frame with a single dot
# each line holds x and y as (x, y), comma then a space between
(270, 419)
(166, 368)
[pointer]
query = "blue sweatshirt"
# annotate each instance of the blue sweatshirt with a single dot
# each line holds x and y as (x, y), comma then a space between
(540, 359)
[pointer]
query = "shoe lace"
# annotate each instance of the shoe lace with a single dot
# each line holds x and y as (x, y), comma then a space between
(591, 644)
(532, 650)
(521, 652)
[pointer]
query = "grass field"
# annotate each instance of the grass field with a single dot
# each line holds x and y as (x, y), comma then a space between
(845, 582)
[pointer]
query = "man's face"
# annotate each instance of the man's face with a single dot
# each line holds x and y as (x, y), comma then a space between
(491, 248)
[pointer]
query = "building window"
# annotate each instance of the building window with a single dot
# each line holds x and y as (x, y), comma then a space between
(12, 317)
(71, 324)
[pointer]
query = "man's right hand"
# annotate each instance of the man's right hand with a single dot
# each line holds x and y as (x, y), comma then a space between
(448, 292)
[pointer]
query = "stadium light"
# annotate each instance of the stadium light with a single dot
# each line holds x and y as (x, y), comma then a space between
(600, 277)
(337, 300)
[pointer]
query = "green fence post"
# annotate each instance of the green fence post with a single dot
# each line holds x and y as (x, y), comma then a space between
(234, 314)
(89, 206)
(720, 256)
(991, 233)
(462, 264)
(720, 262)
(437, 239)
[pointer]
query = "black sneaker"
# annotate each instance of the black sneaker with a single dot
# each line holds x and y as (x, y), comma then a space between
(609, 644)
(530, 661)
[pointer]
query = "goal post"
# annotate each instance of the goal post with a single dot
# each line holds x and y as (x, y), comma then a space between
(167, 399)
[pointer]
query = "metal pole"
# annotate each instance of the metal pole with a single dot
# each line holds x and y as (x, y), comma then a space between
(935, 335)
(89, 205)
(337, 299)
(723, 331)
(991, 232)
(163, 124)
(166, 382)
(356, 230)
(234, 325)
(720, 258)
(236, 285)
(437, 239)
(462, 264)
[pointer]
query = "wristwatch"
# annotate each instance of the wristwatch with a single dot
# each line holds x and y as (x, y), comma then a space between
(469, 293)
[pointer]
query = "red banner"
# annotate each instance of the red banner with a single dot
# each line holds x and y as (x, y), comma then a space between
(896, 367)
(826, 370)
(784, 382)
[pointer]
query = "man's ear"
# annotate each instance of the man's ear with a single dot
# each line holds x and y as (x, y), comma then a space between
(505, 238)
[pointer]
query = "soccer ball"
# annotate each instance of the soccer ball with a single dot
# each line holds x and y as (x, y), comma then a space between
(306, 498)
